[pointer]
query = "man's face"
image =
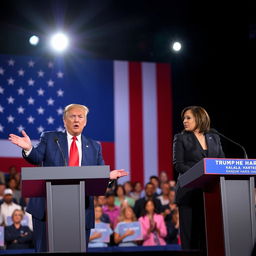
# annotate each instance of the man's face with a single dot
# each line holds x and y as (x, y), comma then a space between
(75, 121)
(149, 190)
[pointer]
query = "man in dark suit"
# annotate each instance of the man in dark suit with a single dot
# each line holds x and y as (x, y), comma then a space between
(56, 149)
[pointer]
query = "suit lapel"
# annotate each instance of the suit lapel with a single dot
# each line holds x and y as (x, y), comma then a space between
(84, 150)
(209, 142)
(64, 144)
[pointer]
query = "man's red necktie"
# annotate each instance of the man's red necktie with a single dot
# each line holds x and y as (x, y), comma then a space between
(73, 156)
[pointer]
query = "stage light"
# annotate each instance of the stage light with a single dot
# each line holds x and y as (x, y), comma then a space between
(59, 42)
(34, 40)
(176, 46)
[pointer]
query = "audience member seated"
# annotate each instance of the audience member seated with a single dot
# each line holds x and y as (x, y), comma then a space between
(18, 236)
(137, 191)
(172, 225)
(100, 201)
(171, 206)
(2, 177)
(111, 209)
(8, 206)
(100, 235)
(120, 196)
(2, 189)
(164, 197)
(163, 177)
(149, 194)
(128, 188)
(11, 173)
(124, 233)
(12, 184)
(155, 180)
(153, 225)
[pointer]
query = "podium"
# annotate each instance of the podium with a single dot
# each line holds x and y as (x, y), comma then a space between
(65, 189)
(229, 203)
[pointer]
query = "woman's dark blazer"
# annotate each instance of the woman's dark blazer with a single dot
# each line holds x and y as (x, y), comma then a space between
(187, 151)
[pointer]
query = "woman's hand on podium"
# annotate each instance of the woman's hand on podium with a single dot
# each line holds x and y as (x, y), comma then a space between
(115, 174)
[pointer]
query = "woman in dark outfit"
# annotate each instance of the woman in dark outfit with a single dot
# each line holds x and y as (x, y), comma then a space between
(16, 235)
(194, 143)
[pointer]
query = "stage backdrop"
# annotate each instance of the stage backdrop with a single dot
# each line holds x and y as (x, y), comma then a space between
(130, 107)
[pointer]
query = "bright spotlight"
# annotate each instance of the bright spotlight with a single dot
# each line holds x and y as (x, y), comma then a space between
(34, 40)
(176, 46)
(59, 42)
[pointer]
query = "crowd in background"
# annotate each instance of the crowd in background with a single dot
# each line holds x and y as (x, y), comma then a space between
(151, 205)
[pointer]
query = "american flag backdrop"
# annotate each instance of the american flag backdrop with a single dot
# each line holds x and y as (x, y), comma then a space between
(130, 107)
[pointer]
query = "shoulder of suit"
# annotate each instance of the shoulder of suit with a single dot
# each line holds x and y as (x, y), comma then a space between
(52, 134)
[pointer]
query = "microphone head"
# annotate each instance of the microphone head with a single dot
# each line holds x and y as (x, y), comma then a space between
(56, 139)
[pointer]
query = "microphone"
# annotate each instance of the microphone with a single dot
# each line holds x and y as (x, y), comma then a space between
(225, 137)
(61, 151)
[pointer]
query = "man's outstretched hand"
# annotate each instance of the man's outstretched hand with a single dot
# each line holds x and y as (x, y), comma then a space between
(117, 174)
(23, 142)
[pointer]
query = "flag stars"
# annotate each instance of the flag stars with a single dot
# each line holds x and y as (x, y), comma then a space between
(50, 120)
(30, 101)
(1, 128)
(10, 100)
(11, 62)
(20, 128)
(31, 119)
(10, 81)
(31, 64)
(10, 119)
(21, 91)
(60, 129)
(60, 111)
(1, 71)
(1, 109)
(40, 111)
(20, 110)
(40, 73)
(1, 90)
(40, 92)
(21, 72)
(60, 93)
(50, 102)
(40, 129)
(50, 83)
(60, 74)
(31, 82)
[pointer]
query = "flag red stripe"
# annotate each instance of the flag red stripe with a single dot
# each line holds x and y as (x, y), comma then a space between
(164, 110)
(108, 152)
(136, 122)
(18, 162)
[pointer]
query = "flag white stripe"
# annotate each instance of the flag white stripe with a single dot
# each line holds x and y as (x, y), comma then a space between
(121, 117)
(150, 141)
(10, 150)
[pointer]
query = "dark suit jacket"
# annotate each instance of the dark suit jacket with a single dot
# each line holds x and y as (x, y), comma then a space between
(47, 153)
(187, 151)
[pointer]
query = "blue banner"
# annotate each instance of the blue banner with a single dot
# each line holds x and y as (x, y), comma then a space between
(230, 166)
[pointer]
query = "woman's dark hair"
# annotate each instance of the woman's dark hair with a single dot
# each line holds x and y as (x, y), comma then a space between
(201, 117)
(119, 186)
(144, 212)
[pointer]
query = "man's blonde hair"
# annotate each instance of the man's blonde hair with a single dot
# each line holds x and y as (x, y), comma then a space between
(71, 106)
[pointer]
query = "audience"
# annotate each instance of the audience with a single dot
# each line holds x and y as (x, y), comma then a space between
(120, 196)
(137, 191)
(153, 225)
(164, 197)
(111, 209)
(8, 206)
(127, 216)
(16, 235)
(128, 188)
(149, 194)
(172, 225)
(97, 238)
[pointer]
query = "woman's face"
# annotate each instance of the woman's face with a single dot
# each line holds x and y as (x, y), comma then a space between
(17, 217)
(138, 187)
(128, 213)
(98, 212)
(120, 191)
(150, 207)
(189, 121)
